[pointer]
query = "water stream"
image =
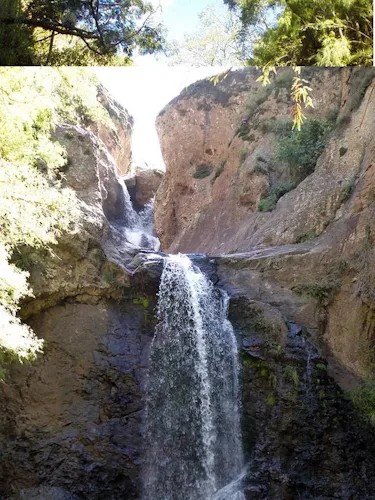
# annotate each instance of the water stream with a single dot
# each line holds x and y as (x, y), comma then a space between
(192, 429)
(139, 227)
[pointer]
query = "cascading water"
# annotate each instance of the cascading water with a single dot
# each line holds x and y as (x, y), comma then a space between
(193, 438)
(139, 227)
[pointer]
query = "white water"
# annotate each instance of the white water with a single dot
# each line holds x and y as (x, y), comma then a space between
(193, 437)
(139, 226)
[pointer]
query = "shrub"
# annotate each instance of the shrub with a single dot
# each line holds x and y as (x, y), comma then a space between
(268, 202)
(202, 171)
(281, 127)
(347, 190)
(291, 374)
(301, 149)
(363, 399)
(218, 171)
(243, 154)
(308, 236)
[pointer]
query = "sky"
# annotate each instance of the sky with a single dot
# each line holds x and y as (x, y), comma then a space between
(144, 90)
(181, 16)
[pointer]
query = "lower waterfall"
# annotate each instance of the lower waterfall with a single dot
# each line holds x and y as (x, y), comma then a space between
(193, 447)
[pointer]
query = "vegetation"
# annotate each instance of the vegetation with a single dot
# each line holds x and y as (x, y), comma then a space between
(363, 399)
(324, 290)
(202, 171)
(214, 42)
(347, 190)
(305, 33)
(300, 149)
(268, 202)
(34, 208)
(291, 374)
(76, 32)
(307, 236)
(219, 170)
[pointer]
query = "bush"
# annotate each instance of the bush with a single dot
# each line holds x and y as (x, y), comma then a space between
(363, 399)
(301, 149)
(218, 171)
(202, 171)
(268, 202)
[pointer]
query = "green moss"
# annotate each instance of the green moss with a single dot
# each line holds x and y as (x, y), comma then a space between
(363, 399)
(321, 366)
(269, 201)
(271, 400)
(292, 375)
(109, 277)
(142, 301)
(202, 171)
(308, 236)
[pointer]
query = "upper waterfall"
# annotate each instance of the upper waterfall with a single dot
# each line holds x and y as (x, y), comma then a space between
(192, 431)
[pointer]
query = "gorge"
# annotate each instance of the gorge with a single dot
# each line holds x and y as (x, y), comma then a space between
(239, 364)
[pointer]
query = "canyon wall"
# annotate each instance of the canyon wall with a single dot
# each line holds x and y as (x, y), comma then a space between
(310, 251)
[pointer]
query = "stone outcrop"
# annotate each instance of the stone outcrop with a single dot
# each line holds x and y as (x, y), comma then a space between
(117, 134)
(72, 425)
(302, 437)
(315, 248)
(143, 185)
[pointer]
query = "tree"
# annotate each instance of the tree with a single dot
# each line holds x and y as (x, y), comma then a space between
(101, 29)
(215, 42)
(34, 207)
(305, 32)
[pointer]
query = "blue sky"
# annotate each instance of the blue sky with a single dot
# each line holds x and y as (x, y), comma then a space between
(181, 16)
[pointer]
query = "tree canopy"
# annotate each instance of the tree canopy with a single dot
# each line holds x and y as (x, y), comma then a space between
(34, 207)
(76, 32)
(307, 33)
(215, 41)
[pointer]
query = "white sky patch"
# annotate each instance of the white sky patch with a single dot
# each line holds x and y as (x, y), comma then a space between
(144, 90)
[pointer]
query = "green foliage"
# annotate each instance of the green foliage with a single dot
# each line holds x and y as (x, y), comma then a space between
(34, 208)
(305, 33)
(308, 236)
(202, 171)
(268, 202)
(214, 42)
(219, 170)
(61, 32)
(280, 126)
(291, 374)
(347, 190)
(142, 301)
(363, 399)
(301, 148)
(243, 154)
(324, 291)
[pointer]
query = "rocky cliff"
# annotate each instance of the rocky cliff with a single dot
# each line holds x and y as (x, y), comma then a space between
(71, 428)
(300, 230)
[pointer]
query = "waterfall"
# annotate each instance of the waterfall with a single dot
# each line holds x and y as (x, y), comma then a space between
(192, 431)
(139, 227)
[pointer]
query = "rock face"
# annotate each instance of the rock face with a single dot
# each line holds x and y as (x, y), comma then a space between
(117, 136)
(72, 428)
(221, 161)
(302, 438)
(143, 185)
